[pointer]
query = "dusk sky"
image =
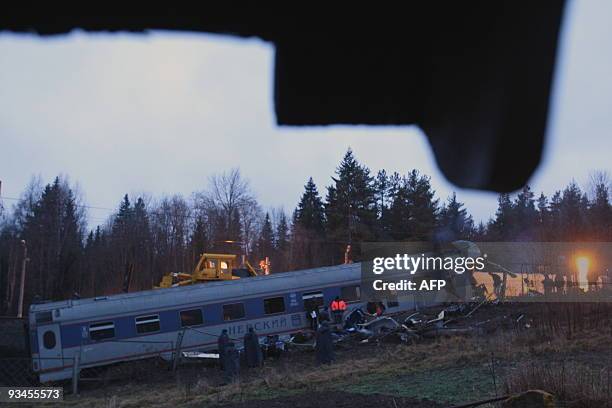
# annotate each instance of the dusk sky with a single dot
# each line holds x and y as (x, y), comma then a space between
(160, 113)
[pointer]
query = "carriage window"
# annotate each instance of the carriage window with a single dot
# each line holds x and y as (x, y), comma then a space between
(101, 331)
(147, 324)
(312, 300)
(43, 317)
(233, 311)
(274, 305)
(350, 293)
(191, 317)
(49, 340)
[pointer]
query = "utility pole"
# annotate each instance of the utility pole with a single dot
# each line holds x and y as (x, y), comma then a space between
(23, 274)
(9, 286)
(1, 205)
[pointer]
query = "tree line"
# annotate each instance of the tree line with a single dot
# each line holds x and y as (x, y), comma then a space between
(145, 238)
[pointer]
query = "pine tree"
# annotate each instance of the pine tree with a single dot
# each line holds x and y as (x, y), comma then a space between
(600, 213)
(480, 233)
(571, 213)
(525, 215)
(454, 218)
(121, 245)
(53, 234)
(122, 218)
(71, 242)
(141, 246)
(282, 233)
(351, 206)
(310, 211)
(265, 243)
(554, 212)
(502, 227)
(282, 244)
(423, 208)
(308, 230)
(382, 186)
(585, 227)
(543, 218)
(399, 214)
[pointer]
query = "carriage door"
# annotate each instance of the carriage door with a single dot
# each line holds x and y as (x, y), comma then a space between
(49, 347)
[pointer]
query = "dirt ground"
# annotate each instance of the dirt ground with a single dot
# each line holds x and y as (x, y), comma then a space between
(337, 399)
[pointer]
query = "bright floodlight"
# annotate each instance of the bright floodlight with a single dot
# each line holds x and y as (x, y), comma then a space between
(582, 264)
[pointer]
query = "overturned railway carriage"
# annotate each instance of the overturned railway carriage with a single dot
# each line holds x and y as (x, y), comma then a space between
(111, 329)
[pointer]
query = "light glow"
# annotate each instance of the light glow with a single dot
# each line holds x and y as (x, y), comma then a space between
(582, 264)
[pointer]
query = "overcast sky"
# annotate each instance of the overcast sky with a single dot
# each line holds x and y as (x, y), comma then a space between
(159, 113)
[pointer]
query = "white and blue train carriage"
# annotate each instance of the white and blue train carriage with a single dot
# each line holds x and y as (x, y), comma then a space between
(111, 329)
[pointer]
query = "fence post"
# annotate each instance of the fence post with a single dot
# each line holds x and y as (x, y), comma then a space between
(177, 351)
(493, 373)
(75, 374)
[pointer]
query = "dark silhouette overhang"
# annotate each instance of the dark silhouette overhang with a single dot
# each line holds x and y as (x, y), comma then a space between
(475, 76)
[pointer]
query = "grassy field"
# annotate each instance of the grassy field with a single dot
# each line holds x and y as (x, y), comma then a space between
(573, 364)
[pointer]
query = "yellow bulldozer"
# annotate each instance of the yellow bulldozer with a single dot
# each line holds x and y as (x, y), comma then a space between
(210, 268)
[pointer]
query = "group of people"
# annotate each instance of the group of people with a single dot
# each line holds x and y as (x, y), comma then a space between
(229, 357)
(320, 323)
(317, 317)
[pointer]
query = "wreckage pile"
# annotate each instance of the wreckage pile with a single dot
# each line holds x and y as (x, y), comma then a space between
(477, 318)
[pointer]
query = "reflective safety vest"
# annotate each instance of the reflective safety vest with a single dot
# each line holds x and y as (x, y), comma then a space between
(338, 305)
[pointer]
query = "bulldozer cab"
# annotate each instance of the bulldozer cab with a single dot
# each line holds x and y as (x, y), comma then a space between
(215, 267)
(210, 267)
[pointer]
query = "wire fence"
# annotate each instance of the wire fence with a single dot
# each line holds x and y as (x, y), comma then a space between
(17, 372)
(147, 361)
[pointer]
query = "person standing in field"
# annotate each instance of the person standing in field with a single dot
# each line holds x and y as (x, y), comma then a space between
(252, 349)
(325, 346)
(338, 307)
(222, 343)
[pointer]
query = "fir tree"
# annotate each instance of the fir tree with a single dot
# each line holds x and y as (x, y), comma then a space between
(282, 234)
(454, 217)
(525, 215)
(265, 243)
(282, 244)
(501, 227)
(310, 211)
(600, 213)
(543, 218)
(351, 206)
(423, 206)
(382, 186)
(399, 213)
(571, 212)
